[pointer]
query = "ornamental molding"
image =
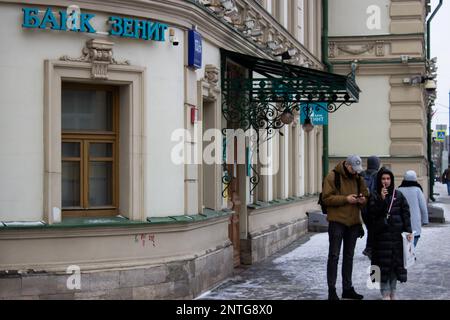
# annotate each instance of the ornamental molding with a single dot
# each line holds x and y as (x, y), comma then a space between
(99, 53)
(212, 74)
(379, 48)
(375, 48)
(356, 49)
(211, 81)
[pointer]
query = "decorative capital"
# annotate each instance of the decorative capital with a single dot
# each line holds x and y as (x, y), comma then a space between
(332, 49)
(99, 53)
(379, 51)
(212, 74)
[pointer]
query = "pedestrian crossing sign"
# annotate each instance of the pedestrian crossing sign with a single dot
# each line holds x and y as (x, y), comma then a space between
(440, 135)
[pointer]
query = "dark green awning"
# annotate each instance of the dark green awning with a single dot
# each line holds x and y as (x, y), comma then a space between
(276, 81)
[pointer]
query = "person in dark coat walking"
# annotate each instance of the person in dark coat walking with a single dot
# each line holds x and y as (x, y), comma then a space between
(370, 177)
(389, 212)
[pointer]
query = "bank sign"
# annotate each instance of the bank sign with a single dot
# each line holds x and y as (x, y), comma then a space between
(318, 113)
(71, 19)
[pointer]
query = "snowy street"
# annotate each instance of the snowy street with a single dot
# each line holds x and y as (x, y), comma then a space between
(299, 271)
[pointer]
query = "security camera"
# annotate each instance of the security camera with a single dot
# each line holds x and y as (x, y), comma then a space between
(430, 85)
(173, 39)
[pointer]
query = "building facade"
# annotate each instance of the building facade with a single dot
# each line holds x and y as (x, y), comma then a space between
(100, 118)
(384, 41)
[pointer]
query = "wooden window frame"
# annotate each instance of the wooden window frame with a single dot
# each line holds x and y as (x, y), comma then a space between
(85, 138)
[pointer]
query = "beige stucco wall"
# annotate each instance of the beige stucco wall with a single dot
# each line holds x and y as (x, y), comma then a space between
(363, 128)
(349, 17)
(22, 56)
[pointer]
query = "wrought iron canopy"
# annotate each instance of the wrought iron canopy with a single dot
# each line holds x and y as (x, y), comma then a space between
(262, 94)
(270, 88)
(286, 82)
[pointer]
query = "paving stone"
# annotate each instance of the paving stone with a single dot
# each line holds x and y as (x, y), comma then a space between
(10, 286)
(105, 280)
(58, 296)
(38, 285)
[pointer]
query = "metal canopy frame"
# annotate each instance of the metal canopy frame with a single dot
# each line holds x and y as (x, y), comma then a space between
(259, 101)
(265, 99)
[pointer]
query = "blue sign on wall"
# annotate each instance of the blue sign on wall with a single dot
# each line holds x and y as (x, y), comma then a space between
(318, 113)
(194, 49)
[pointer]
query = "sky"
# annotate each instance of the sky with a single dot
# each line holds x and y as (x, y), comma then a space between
(440, 48)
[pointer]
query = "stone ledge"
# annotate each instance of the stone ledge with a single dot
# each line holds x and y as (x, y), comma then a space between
(261, 207)
(118, 221)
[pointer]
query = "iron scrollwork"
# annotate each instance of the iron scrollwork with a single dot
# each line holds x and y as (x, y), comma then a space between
(267, 104)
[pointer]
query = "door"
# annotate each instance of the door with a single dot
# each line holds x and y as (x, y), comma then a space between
(233, 226)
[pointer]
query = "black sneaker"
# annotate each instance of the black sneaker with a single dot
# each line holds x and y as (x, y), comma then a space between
(332, 295)
(351, 294)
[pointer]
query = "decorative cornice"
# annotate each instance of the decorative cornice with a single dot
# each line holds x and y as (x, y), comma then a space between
(99, 53)
(375, 49)
(381, 68)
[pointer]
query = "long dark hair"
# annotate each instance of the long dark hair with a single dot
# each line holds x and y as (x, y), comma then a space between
(380, 185)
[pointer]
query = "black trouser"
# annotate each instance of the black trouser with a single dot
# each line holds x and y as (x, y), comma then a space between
(337, 233)
(369, 240)
(368, 224)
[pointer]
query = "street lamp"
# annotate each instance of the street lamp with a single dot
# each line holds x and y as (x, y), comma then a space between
(307, 125)
(287, 116)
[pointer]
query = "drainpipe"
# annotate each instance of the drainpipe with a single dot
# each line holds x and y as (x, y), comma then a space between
(430, 161)
(329, 66)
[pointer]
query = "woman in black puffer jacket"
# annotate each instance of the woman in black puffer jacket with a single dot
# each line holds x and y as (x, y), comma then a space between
(387, 227)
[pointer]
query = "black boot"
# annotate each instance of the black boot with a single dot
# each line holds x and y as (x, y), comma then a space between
(351, 294)
(332, 295)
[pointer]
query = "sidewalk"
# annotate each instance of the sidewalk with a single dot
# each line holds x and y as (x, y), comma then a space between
(299, 271)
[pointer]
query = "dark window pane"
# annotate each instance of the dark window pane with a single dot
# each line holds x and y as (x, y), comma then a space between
(86, 110)
(71, 149)
(100, 150)
(100, 183)
(70, 184)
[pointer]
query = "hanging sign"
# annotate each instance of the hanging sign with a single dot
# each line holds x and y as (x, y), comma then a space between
(72, 19)
(318, 113)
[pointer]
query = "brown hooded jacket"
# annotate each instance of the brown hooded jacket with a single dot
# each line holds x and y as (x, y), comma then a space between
(339, 210)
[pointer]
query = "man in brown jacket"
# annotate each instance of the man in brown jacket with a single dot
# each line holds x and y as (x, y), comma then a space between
(343, 204)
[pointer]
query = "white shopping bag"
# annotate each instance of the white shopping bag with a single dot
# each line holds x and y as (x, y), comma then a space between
(409, 254)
